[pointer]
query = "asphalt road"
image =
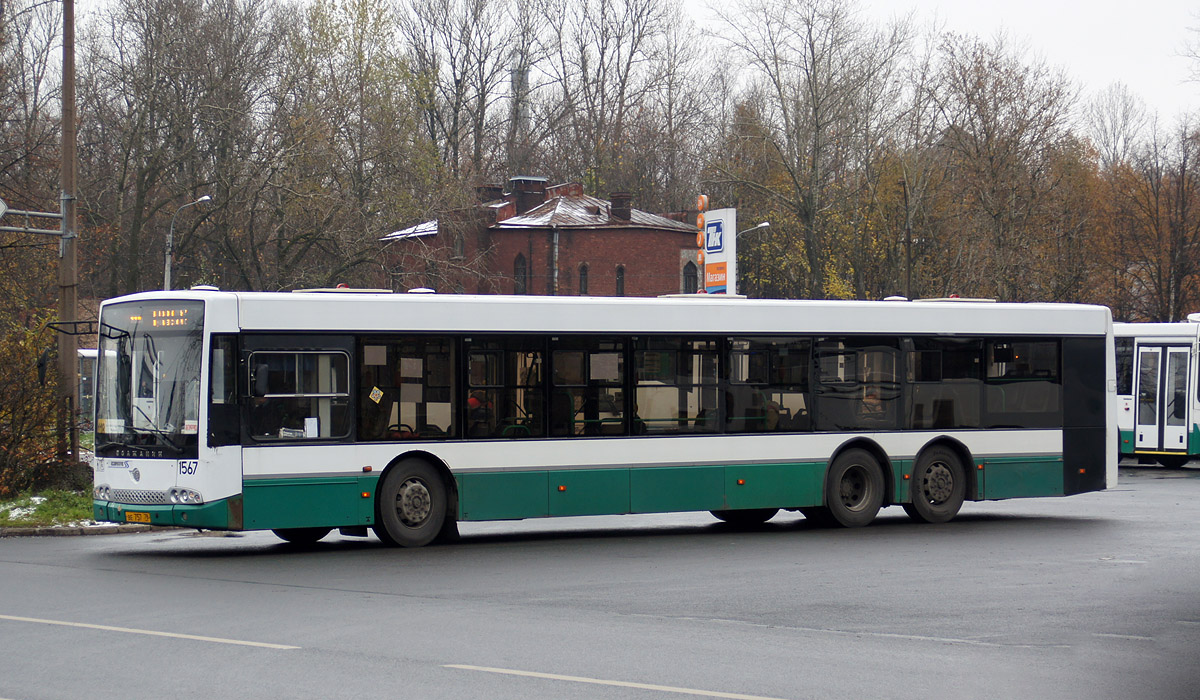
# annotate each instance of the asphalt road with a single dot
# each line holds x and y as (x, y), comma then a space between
(1094, 596)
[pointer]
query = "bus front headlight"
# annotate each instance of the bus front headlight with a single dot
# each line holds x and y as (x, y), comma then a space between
(186, 497)
(100, 492)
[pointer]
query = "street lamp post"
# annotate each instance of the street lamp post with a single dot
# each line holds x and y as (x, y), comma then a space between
(764, 224)
(171, 242)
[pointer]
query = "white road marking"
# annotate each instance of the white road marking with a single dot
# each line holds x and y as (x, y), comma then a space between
(108, 628)
(882, 635)
(1134, 637)
(600, 681)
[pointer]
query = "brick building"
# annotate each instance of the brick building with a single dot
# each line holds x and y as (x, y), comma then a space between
(535, 239)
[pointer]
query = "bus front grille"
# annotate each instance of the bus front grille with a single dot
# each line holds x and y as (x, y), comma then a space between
(139, 497)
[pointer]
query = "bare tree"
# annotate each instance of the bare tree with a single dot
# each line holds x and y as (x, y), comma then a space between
(604, 59)
(1157, 227)
(1005, 117)
(139, 94)
(815, 65)
(458, 49)
(1115, 120)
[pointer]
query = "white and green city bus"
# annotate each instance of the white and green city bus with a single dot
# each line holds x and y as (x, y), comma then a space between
(308, 411)
(1158, 396)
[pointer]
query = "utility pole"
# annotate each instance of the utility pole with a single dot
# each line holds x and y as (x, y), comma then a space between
(68, 302)
(68, 325)
(907, 242)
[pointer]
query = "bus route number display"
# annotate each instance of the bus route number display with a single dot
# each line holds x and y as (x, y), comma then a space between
(179, 317)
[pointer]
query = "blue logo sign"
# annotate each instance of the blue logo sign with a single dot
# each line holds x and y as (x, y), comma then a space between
(714, 238)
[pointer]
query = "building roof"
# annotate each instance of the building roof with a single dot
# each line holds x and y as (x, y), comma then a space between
(425, 228)
(584, 211)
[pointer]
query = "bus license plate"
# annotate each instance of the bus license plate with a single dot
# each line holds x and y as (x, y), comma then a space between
(131, 517)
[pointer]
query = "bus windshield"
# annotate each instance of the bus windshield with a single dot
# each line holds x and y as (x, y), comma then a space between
(148, 379)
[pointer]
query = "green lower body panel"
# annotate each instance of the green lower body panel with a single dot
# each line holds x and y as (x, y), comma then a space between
(672, 489)
(318, 502)
(901, 480)
(536, 494)
(1126, 442)
(774, 485)
(589, 492)
(503, 496)
(1020, 478)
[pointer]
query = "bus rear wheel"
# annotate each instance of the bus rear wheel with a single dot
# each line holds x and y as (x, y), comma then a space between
(854, 489)
(939, 486)
(411, 505)
(301, 535)
(746, 517)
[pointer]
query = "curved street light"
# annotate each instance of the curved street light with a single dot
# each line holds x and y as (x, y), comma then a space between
(171, 241)
(764, 224)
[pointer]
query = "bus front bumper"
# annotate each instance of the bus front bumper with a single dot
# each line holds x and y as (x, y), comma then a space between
(225, 514)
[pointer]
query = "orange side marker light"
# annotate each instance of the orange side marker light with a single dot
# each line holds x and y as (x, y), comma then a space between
(562, 488)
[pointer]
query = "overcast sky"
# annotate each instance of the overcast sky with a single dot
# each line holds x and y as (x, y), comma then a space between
(1137, 42)
(1098, 42)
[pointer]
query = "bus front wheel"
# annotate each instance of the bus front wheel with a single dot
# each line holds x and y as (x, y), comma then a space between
(854, 488)
(412, 504)
(939, 486)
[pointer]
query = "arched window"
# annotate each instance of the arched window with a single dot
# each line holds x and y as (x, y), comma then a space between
(691, 278)
(583, 279)
(521, 275)
(620, 280)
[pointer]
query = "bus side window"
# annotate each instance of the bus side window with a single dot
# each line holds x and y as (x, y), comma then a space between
(299, 395)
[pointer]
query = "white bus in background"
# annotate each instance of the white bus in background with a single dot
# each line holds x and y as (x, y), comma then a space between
(407, 413)
(85, 401)
(1158, 398)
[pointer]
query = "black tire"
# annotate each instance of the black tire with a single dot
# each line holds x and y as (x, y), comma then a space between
(745, 518)
(939, 486)
(1172, 461)
(302, 535)
(854, 488)
(411, 504)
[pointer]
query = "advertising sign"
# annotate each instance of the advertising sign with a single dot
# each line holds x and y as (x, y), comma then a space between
(720, 251)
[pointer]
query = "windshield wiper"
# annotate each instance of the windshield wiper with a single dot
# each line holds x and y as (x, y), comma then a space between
(155, 430)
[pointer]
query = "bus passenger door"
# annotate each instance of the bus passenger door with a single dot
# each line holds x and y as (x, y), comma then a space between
(1162, 420)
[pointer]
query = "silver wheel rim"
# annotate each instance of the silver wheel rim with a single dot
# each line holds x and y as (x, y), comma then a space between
(855, 487)
(413, 503)
(937, 483)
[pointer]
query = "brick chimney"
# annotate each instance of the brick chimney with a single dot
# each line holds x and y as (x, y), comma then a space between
(489, 193)
(622, 206)
(527, 192)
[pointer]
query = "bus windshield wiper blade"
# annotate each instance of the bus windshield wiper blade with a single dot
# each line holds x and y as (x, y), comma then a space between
(155, 430)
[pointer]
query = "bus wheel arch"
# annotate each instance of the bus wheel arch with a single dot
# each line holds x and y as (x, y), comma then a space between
(941, 482)
(415, 501)
(857, 484)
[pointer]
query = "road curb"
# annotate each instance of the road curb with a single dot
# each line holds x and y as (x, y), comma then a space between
(52, 531)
